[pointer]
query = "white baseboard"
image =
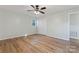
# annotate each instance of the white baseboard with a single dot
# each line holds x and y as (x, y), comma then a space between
(9, 37)
(67, 39)
(75, 37)
(29, 34)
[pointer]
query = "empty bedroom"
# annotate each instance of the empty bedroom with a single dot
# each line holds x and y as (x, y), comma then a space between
(39, 28)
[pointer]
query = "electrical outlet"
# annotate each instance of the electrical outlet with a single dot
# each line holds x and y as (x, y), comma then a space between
(25, 34)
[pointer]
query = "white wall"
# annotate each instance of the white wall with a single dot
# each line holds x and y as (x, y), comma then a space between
(57, 25)
(62, 25)
(15, 24)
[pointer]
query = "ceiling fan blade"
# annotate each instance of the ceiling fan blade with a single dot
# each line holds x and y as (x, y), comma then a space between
(32, 6)
(43, 8)
(37, 7)
(42, 12)
(30, 10)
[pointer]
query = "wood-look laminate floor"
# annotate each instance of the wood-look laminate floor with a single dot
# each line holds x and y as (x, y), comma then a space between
(74, 45)
(33, 44)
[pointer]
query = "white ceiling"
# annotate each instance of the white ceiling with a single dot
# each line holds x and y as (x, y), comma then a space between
(50, 8)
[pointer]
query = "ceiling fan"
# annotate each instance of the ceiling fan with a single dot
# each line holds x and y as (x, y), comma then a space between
(37, 9)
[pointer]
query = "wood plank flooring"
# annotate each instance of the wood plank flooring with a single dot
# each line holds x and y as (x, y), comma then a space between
(33, 44)
(74, 45)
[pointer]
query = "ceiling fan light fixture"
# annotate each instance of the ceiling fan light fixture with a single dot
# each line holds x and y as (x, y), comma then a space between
(36, 9)
(36, 12)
